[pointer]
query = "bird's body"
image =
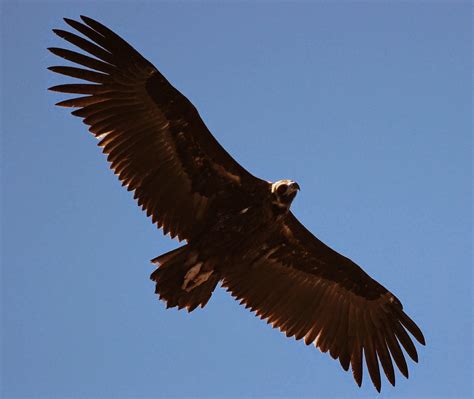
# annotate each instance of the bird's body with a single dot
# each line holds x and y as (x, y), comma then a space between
(239, 229)
(242, 228)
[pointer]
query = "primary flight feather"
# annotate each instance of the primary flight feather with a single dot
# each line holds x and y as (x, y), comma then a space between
(238, 229)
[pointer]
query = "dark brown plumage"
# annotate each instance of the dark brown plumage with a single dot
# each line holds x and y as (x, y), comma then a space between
(238, 228)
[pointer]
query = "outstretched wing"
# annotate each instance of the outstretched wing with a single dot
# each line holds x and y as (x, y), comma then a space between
(154, 137)
(309, 291)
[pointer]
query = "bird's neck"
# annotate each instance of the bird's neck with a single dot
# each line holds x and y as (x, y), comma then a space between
(280, 209)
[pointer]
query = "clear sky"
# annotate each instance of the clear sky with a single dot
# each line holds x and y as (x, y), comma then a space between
(367, 105)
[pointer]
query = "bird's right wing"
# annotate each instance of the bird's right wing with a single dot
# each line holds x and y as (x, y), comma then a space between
(309, 291)
(155, 139)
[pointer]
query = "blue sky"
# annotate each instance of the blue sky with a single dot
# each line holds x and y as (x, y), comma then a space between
(367, 105)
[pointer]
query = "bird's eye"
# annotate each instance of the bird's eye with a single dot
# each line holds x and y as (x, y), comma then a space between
(282, 189)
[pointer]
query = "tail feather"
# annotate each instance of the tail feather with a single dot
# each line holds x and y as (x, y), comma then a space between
(163, 258)
(171, 279)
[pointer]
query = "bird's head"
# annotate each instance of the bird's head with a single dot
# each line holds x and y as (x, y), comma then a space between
(284, 192)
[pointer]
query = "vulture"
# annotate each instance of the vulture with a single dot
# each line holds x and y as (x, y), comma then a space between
(238, 229)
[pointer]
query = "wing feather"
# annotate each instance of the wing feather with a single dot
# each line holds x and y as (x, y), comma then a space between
(82, 59)
(384, 357)
(357, 346)
(369, 350)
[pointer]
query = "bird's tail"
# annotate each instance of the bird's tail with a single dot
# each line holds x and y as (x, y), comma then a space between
(183, 280)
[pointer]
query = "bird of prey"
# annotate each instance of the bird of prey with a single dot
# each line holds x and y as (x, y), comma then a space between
(238, 229)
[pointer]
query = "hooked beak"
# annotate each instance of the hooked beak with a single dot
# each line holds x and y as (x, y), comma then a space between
(295, 187)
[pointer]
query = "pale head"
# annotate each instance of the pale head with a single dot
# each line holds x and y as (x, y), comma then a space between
(284, 192)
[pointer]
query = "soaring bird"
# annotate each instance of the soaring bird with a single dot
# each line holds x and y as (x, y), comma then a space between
(238, 229)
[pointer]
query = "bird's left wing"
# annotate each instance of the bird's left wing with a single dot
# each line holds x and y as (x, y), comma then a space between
(309, 291)
(154, 138)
